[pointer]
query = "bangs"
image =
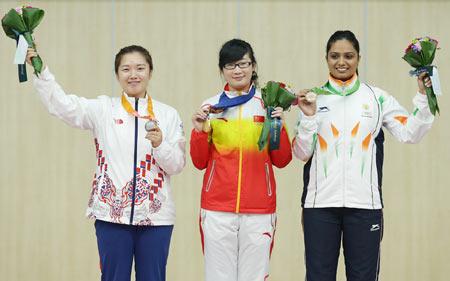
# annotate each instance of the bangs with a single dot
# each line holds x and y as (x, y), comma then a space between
(231, 55)
(233, 51)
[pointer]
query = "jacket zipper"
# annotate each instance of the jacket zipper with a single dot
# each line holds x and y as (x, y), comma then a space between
(136, 103)
(344, 157)
(211, 174)
(238, 200)
(269, 186)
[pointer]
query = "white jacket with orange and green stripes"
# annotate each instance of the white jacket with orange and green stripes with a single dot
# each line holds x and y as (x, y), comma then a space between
(343, 143)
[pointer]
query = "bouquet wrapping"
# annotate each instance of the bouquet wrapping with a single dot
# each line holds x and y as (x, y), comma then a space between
(274, 94)
(21, 22)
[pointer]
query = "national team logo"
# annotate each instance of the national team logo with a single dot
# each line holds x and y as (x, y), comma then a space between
(258, 118)
(366, 112)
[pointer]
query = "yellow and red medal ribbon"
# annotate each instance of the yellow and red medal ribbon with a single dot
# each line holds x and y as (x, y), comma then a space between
(129, 108)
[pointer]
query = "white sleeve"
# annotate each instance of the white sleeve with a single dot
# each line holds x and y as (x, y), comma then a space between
(171, 154)
(305, 137)
(76, 111)
(405, 127)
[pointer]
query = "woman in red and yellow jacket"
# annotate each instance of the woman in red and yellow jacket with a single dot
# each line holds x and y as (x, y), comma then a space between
(238, 204)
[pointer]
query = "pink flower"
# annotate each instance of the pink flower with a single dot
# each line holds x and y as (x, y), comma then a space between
(18, 10)
(416, 47)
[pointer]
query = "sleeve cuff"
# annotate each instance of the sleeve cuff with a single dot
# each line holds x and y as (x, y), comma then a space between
(307, 123)
(164, 145)
(309, 118)
(423, 111)
(45, 75)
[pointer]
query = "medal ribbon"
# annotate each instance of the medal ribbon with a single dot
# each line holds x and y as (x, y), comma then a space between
(226, 102)
(129, 108)
(344, 92)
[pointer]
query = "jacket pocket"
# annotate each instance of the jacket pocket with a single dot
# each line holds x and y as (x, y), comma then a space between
(211, 175)
(269, 186)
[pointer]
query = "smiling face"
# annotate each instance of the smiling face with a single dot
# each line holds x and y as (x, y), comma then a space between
(134, 74)
(342, 59)
(238, 74)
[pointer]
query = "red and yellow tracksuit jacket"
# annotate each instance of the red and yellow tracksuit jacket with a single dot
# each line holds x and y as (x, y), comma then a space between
(239, 178)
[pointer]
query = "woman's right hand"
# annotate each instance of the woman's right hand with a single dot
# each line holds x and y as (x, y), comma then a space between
(31, 53)
(308, 108)
(199, 118)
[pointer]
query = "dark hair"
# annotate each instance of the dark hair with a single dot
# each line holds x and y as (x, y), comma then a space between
(131, 49)
(343, 35)
(234, 50)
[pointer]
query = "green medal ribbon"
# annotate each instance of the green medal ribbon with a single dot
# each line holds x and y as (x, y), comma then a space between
(328, 89)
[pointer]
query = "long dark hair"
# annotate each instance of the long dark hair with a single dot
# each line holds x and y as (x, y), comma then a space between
(234, 50)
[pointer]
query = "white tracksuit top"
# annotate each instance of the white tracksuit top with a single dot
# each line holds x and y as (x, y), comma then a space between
(343, 144)
(127, 166)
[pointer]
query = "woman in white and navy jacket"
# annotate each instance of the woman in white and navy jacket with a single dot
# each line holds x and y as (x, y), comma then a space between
(139, 145)
(340, 137)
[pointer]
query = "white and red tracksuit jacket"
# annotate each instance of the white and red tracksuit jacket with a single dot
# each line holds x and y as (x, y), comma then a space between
(132, 179)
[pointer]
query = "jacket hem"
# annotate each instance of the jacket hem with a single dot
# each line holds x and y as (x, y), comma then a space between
(241, 210)
(340, 205)
(153, 223)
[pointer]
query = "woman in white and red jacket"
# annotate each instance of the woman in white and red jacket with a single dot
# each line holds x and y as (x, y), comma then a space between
(238, 204)
(340, 136)
(139, 145)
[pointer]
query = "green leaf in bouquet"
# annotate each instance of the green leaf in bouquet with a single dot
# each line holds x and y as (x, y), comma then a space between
(264, 136)
(432, 101)
(285, 98)
(11, 22)
(428, 51)
(270, 96)
(264, 94)
(414, 59)
(32, 17)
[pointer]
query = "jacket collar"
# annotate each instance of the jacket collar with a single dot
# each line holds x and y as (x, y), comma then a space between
(132, 100)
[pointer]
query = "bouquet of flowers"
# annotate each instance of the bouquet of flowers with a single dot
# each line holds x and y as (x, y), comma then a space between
(420, 54)
(19, 22)
(274, 94)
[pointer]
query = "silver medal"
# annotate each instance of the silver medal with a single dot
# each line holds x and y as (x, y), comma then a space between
(150, 125)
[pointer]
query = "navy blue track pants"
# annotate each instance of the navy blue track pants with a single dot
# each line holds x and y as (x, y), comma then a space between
(360, 231)
(118, 244)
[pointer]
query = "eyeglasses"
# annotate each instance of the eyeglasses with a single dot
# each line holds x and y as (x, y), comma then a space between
(242, 65)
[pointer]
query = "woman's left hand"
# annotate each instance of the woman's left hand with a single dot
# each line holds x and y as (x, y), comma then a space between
(155, 136)
(423, 81)
(278, 113)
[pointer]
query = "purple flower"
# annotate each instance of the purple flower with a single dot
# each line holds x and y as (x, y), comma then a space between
(18, 10)
(416, 47)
